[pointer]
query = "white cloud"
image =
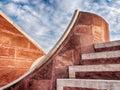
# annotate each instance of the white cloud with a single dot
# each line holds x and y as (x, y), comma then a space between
(46, 22)
(11, 8)
(19, 1)
(115, 37)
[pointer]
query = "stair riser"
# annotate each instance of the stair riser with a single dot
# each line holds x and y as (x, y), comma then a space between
(98, 75)
(78, 88)
(101, 61)
(107, 49)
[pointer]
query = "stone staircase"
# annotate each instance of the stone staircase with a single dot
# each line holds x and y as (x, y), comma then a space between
(99, 70)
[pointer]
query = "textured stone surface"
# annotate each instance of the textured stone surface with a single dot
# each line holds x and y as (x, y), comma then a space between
(17, 53)
(101, 61)
(44, 72)
(78, 39)
(7, 51)
(88, 83)
(98, 55)
(40, 85)
(9, 74)
(12, 63)
(108, 75)
(77, 88)
(28, 54)
(86, 69)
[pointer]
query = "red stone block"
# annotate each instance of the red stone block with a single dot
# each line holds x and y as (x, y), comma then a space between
(7, 51)
(45, 72)
(64, 59)
(5, 38)
(29, 54)
(97, 20)
(86, 43)
(22, 63)
(98, 34)
(7, 75)
(7, 26)
(32, 46)
(2, 19)
(60, 73)
(85, 18)
(6, 62)
(83, 29)
(8, 39)
(106, 31)
(19, 42)
(40, 85)
(20, 72)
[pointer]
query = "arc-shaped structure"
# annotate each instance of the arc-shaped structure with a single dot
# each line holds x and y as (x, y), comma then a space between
(17, 50)
(84, 30)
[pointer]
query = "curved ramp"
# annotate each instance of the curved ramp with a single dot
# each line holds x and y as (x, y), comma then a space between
(78, 38)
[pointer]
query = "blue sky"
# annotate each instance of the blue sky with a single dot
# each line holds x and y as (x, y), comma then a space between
(46, 20)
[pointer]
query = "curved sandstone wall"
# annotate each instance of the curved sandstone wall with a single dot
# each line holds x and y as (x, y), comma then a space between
(17, 52)
(91, 28)
(84, 30)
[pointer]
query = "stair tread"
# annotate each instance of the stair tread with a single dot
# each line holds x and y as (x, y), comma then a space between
(107, 44)
(97, 55)
(103, 67)
(93, 68)
(88, 83)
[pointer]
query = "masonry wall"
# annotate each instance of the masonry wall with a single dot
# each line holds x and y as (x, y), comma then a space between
(17, 53)
(78, 39)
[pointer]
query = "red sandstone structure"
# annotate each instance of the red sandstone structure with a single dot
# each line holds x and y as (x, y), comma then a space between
(17, 51)
(83, 59)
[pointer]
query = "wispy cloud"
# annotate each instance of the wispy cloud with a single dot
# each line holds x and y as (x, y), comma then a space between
(46, 20)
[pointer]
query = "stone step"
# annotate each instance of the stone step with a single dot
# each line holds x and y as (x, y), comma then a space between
(87, 84)
(107, 46)
(106, 71)
(107, 57)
